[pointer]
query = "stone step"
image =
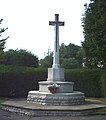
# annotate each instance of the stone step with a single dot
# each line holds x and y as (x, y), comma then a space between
(57, 99)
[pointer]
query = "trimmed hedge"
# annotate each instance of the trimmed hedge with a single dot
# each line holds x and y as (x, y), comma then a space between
(86, 80)
(103, 85)
(17, 81)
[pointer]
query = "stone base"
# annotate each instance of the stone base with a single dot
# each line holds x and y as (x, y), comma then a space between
(65, 87)
(57, 99)
(56, 75)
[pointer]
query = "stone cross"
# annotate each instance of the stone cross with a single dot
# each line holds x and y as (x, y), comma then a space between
(56, 23)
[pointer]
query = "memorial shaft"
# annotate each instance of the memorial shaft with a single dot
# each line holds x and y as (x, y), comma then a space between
(56, 23)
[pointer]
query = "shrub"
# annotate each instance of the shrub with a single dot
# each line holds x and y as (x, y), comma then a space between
(17, 81)
(85, 80)
(103, 85)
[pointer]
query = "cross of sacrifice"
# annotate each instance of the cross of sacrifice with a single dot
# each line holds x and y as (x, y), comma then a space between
(56, 23)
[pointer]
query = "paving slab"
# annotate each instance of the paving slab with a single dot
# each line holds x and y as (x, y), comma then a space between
(21, 106)
(5, 115)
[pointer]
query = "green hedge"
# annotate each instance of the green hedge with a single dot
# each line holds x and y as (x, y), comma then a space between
(17, 81)
(103, 85)
(86, 80)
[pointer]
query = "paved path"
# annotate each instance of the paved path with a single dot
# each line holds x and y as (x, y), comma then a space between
(21, 106)
(4, 115)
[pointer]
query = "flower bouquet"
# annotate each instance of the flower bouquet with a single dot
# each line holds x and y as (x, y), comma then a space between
(53, 87)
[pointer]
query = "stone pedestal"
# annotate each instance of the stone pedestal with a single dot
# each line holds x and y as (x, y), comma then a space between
(65, 95)
(65, 87)
(56, 75)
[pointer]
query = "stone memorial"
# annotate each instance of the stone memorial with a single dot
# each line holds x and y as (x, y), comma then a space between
(56, 91)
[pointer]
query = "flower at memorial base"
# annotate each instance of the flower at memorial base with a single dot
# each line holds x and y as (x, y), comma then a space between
(53, 87)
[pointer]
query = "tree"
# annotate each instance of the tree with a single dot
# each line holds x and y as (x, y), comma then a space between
(47, 61)
(69, 51)
(2, 43)
(71, 56)
(69, 63)
(80, 56)
(94, 25)
(20, 58)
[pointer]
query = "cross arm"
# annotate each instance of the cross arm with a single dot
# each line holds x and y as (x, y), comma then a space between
(53, 23)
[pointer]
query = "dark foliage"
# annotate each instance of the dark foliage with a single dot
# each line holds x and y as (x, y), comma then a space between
(94, 25)
(17, 81)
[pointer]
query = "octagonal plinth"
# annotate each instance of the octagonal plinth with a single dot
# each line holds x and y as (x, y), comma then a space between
(57, 99)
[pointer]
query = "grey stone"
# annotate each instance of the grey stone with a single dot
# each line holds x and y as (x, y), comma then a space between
(56, 74)
(56, 99)
(64, 94)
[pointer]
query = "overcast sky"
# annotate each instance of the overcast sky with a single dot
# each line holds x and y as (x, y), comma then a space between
(28, 23)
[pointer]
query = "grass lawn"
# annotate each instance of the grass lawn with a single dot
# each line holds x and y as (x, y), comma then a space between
(102, 110)
(100, 99)
(103, 101)
(2, 100)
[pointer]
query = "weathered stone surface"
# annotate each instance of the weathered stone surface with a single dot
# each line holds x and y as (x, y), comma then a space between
(40, 112)
(65, 87)
(63, 99)
(56, 75)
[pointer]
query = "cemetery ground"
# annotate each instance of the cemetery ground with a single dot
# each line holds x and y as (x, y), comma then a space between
(99, 115)
(11, 116)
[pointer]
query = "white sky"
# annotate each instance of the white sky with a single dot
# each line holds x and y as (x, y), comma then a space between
(28, 23)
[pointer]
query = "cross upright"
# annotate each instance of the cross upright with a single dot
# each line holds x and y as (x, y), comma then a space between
(56, 23)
